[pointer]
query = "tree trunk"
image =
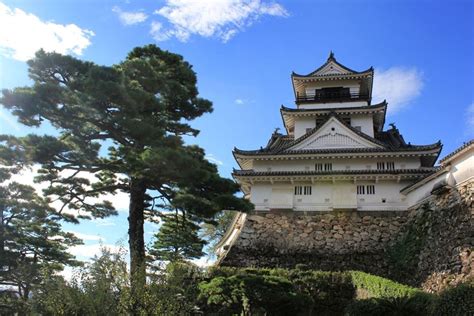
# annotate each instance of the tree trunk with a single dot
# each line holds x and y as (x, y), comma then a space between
(136, 242)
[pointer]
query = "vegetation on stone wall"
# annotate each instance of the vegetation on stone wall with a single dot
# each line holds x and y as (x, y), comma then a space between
(403, 255)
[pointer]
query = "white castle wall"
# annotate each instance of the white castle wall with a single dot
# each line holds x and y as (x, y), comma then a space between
(337, 164)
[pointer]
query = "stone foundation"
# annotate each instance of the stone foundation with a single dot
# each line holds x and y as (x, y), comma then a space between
(330, 241)
(362, 240)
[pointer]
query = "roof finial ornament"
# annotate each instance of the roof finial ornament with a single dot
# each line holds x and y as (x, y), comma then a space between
(331, 55)
(392, 125)
(277, 129)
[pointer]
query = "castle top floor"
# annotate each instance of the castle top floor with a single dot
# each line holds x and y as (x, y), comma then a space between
(333, 85)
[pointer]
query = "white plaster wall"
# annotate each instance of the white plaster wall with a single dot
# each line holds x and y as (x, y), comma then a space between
(302, 123)
(366, 123)
(337, 164)
(462, 168)
(384, 190)
(419, 194)
(327, 196)
(344, 195)
(459, 170)
(334, 105)
(353, 85)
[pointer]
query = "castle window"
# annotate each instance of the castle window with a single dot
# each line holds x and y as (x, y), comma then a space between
(303, 190)
(371, 189)
(327, 166)
(365, 189)
(298, 190)
(386, 165)
(318, 167)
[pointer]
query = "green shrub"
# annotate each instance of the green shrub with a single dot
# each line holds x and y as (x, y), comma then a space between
(378, 287)
(250, 293)
(331, 291)
(418, 304)
(457, 301)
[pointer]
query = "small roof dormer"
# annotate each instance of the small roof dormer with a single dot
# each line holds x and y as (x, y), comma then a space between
(333, 82)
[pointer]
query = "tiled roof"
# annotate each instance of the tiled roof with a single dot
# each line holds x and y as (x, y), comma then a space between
(391, 141)
(333, 59)
(251, 172)
(374, 107)
(464, 146)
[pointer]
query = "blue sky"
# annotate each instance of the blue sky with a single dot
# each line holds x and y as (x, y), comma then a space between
(244, 51)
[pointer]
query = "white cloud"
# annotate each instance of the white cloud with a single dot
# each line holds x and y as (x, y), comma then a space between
(22, 34)
(130, 18)
(103, 222)
(204, 262)
(88, 237)
(398, 85)
(120, 200)
(214, 160)
(222, 19)
(86, 252)
(239, 101)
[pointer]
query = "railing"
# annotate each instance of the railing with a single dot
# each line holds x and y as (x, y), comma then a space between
(327, 97)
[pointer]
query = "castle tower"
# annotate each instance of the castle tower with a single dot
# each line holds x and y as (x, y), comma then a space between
(335, 154)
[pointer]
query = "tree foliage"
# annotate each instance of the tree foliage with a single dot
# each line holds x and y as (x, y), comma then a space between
(119, 128)
(177, 239)
(31, 241)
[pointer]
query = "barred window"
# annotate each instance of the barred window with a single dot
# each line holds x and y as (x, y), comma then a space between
(386, 165)
(298, 190)
(307, 190)
(365, 189)
(327, 166)
(371, 189)
(318, 167)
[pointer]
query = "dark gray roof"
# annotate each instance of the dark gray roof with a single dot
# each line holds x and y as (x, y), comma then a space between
(333, 59)
(251, 172)
(390, 140)
(379, 106)
(465, 145)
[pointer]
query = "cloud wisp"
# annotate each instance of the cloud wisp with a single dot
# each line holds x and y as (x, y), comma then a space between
(22, 34)
(214, 160)
(398, 85)
(221, 19)
(130, 17)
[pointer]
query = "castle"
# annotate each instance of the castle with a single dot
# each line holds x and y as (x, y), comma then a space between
(335, 154)
(338, 188)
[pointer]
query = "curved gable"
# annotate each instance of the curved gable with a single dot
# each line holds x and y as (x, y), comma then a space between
(334, 134)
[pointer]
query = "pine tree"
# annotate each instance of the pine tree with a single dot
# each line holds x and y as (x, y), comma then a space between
(124, 125)
(31, 241)
(177, 239)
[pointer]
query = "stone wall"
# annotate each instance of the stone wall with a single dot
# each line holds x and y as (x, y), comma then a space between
(365, 241)
(447, 254)
(329, 241)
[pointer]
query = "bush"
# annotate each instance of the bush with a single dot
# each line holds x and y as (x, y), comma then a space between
(379, 287)
(393, 306)
(458, 301)
(251, 293)
(331, 291)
